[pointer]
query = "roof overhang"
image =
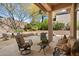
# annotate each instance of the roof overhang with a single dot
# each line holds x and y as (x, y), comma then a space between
(53, 6)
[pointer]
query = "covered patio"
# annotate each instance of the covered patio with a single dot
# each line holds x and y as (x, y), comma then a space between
(51, 9)
(10, 47)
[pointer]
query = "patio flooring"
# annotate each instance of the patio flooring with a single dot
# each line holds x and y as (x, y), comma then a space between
(10, 48)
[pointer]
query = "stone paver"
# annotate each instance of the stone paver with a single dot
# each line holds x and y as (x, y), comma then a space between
(10, 48)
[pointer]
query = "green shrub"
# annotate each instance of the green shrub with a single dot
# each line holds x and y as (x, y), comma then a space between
(28, 27)
(78, 25)
(58, 26)
(38, 24)
(34, 28)
(18, 30)
(44, 25)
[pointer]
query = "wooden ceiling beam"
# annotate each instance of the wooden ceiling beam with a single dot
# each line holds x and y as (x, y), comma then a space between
(61, 6)
(40, 6)
(46, 6)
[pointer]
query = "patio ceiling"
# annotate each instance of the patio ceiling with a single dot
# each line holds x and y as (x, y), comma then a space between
(52, 6)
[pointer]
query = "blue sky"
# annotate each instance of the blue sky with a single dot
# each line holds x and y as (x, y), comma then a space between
(17, 10)
(4, 13)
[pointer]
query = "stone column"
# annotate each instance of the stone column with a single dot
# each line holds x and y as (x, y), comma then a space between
(73, 23)
(50, 29)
